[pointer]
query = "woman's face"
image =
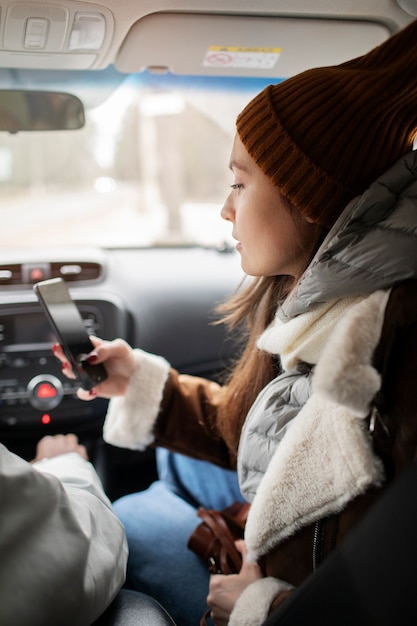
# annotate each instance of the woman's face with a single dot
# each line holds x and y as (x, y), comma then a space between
(272, 239)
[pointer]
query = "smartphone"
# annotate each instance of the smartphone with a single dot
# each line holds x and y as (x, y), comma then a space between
(70, 330)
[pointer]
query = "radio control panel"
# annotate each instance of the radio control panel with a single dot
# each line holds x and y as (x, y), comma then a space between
(33, 391)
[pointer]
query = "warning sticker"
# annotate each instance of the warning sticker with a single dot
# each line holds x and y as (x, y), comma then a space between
(233, 56)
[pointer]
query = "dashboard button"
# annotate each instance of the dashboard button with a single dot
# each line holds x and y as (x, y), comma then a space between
(45, 392)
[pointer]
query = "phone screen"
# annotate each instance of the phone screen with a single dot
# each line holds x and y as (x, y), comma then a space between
(68, 325)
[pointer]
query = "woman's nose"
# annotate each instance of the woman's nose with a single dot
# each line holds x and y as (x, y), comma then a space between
(227, 211)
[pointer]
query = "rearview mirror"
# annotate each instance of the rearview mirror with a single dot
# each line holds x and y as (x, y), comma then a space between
(39, 110)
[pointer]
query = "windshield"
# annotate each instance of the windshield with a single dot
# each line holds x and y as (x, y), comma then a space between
(150, 167)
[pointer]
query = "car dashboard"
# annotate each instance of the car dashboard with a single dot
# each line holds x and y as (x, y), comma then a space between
(158, 299)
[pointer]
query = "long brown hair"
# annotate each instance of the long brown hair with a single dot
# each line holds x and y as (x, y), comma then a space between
(250, 310)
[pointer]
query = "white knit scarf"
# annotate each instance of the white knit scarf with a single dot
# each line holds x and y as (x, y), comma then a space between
(303, 338)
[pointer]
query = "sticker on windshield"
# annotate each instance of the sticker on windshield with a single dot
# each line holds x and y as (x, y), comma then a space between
(234, 56)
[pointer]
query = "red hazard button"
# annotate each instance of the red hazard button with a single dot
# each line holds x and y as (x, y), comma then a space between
(45, 390)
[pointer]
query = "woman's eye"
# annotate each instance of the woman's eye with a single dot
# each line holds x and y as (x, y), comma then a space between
(237, 186)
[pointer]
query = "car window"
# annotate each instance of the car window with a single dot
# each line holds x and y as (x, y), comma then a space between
(149, 168)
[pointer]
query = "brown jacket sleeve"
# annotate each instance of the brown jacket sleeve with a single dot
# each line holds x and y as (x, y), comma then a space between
(187, 422)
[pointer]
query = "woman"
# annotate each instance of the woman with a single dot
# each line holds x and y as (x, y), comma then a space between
(319, 413)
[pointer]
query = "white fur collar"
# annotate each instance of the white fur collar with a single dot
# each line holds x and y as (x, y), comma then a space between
(304, 337)
(325, 459)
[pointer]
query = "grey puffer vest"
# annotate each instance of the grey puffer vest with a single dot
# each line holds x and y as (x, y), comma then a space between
(372, 246)
(274, 409)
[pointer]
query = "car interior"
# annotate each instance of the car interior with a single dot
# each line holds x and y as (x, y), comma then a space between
(117, 120)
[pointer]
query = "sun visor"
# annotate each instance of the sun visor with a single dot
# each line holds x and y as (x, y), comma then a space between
(227, 45)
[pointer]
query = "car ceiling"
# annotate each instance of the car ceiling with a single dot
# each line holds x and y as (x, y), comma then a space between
(190, 36)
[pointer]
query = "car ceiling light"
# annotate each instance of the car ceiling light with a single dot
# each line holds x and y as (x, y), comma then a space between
(36, 33)
(88, 32)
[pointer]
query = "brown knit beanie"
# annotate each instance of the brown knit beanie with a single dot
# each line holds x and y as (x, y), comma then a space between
(323, 136)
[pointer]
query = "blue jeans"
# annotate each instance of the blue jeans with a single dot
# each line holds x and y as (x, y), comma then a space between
(158, 523)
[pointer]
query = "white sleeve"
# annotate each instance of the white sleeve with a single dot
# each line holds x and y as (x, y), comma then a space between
(63, 551)
(254, 603)
(130, 418)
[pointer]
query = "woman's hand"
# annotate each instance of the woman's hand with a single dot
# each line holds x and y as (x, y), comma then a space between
(119, 362)
(55, 445)
(225, 590)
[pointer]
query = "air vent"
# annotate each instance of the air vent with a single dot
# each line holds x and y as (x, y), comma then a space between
(11, 275)
(25, 274)
(72, 272)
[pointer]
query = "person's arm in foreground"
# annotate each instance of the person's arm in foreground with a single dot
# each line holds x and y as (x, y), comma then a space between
(62, 550)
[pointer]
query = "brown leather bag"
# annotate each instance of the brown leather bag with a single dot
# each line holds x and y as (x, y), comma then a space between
(213, 539)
